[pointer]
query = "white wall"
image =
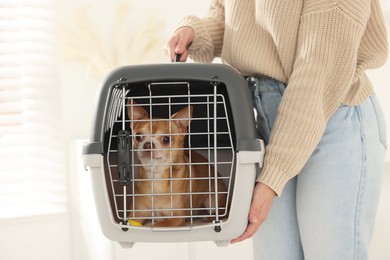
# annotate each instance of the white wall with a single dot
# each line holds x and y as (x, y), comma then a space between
(36, 238)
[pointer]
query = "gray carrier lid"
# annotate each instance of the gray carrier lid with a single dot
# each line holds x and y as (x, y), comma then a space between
(236, 87)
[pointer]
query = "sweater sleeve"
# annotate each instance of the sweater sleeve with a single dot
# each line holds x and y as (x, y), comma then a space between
(209, 32)
(325, 67)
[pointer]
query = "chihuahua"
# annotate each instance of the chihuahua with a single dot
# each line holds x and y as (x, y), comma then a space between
(171, 180)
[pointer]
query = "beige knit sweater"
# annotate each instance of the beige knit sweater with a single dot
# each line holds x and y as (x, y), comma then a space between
(319, 48)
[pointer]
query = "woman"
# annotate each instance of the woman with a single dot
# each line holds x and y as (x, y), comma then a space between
(305, 62)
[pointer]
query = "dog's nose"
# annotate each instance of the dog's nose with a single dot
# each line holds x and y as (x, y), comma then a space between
(149, 145)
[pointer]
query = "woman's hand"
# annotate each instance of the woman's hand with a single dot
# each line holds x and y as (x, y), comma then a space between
(261, 203)
(179, 43)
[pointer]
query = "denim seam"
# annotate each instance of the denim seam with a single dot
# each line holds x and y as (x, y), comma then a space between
(361, 185)
(260, 109)
(260, 92)
(282, 87)
(382, 139)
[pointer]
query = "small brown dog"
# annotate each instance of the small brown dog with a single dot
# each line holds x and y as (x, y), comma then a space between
(169, 184)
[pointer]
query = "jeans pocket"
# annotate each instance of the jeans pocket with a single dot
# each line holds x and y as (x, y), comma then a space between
(380, 119)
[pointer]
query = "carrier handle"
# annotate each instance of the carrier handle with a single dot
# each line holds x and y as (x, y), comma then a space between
(177, 57)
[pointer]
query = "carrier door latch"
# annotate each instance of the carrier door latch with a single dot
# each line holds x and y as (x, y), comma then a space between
(124, 158)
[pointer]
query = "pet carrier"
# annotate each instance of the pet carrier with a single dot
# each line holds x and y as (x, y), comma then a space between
(173, 154)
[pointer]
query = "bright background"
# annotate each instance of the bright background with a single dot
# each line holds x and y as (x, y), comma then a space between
(93, 38)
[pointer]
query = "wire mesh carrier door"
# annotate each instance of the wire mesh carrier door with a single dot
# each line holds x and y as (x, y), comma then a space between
(173, 154)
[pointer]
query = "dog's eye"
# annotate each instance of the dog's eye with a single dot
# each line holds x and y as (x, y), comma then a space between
(166, 139)
(138, 137)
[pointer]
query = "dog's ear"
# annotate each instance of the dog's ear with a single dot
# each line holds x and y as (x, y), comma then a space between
(183, 118)
(135, 111)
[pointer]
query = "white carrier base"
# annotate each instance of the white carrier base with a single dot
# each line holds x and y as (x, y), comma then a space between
(248, 162)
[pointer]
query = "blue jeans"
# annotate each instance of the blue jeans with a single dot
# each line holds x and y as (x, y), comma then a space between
(327, 212)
